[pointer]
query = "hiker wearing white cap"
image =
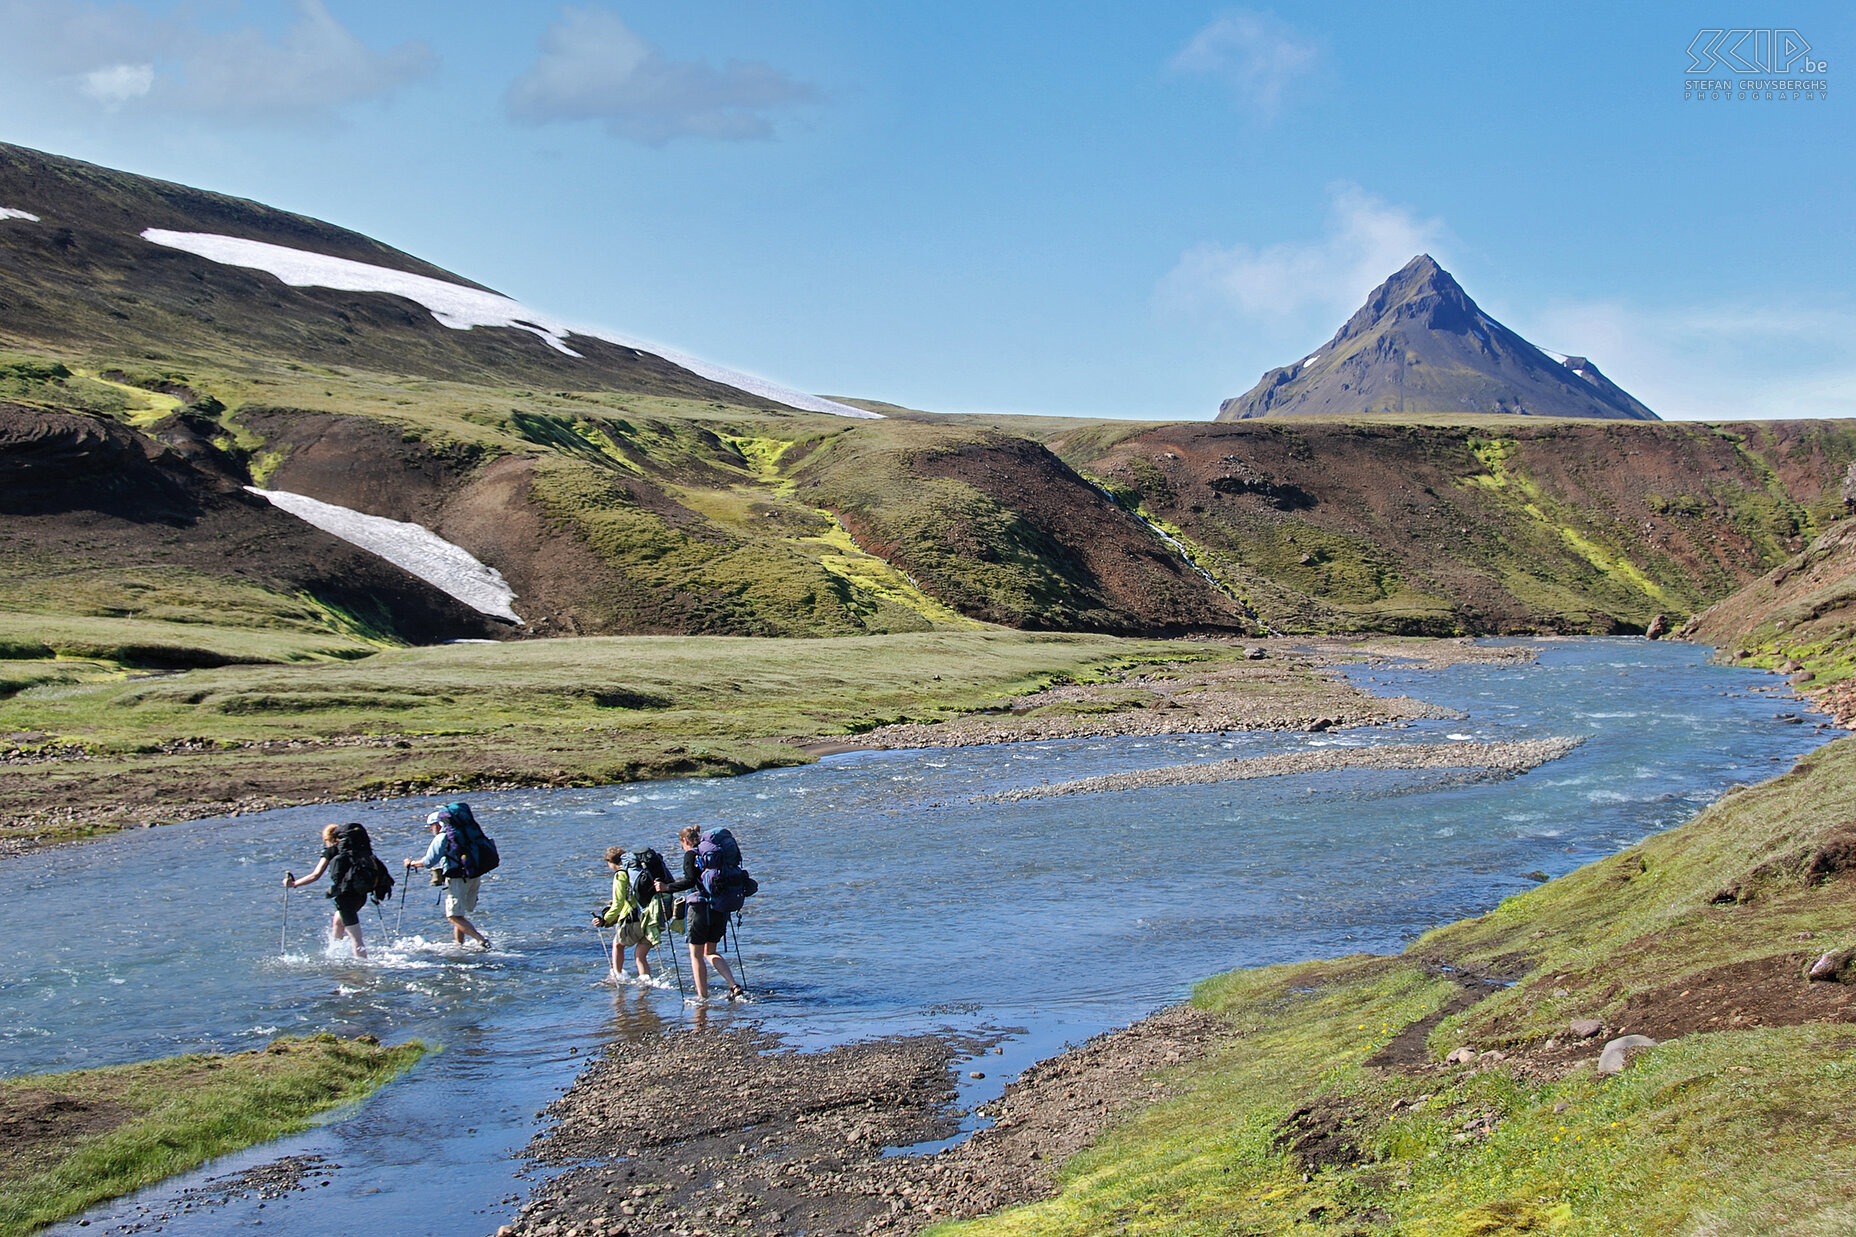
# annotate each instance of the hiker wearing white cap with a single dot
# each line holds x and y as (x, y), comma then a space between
(448, 865)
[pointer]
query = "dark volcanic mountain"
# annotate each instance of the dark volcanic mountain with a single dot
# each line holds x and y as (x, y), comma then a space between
(1420, 345)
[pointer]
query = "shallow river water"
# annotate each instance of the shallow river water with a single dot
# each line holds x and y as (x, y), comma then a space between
(889, 902)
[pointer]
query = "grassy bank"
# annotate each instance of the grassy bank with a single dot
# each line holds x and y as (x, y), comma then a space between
(87, 756)
(1331, 1106)
(69, 1141)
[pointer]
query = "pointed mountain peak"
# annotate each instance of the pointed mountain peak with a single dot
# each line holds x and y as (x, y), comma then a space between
(1420, 345)
(1422, 268)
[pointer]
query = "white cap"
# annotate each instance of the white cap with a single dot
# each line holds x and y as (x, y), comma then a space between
(437, 818)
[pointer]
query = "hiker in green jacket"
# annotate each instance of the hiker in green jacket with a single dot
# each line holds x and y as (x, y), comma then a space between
(637, 910)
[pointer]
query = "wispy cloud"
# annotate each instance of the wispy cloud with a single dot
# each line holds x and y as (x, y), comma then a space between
(123, 58)
(593, 66)
(1712, 363)
(1259, 56)
(117, 84)
(1289, 286)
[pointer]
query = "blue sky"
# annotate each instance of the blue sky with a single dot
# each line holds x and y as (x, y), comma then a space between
(1074, 208)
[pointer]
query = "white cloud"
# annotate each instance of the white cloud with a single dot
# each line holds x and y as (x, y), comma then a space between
(317, 65)
(124, 58)
(119, 83)
(1258, 55)
(592, 66)
(1712, 363)
(1291, 286)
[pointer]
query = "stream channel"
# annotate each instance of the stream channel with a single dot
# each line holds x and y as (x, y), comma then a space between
(889, 902)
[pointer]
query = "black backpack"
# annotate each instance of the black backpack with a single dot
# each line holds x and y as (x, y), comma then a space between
(651, 869)
(356, 871)
(473, 852)
(383, 881)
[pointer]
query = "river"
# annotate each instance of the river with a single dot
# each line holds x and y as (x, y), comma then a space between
(889, 901)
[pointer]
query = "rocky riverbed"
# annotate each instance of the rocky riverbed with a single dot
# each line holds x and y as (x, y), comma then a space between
(1483, 760)
(1283, 684)
(704, 1132)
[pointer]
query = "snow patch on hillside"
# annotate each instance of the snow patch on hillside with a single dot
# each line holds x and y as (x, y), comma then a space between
(459, 307)
(412, 547)
(7, 212)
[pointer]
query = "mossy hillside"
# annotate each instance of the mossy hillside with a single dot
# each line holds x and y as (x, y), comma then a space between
(1508, 524)
(174, 616)
(891, 484)
(1801, 614)
(1733, 1129)
(1736, 885)
(137, 1124)
(1480, 525)
(742, 565)
(752, 579)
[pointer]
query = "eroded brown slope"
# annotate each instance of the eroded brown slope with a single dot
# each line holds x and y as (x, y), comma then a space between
(1002, 530)
(591, 545)
(1555, 526)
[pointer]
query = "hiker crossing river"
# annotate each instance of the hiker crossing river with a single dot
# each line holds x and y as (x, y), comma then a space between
(714, 886)
(459, 857)
(355, 874)
(899, 895)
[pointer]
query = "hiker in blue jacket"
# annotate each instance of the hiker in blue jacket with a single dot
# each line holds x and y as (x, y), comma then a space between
(460, 892)
(706, 924)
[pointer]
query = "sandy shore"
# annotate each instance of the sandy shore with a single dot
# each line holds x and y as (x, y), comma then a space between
(1488, 759)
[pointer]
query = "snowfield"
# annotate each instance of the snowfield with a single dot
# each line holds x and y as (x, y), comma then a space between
(7, 212)
(413, 547)
(459, 307)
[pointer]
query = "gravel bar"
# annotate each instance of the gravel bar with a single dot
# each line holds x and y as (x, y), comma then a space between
(1494, 759)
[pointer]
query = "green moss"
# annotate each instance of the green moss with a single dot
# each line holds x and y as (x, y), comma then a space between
(154, 1119)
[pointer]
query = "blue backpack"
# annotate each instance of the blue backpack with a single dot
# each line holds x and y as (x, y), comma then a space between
(724, 883)
(472, 851)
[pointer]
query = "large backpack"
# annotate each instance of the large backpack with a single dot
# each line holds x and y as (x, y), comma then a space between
(724, 883)
(648, 869)
(472, 853)
(356, 870)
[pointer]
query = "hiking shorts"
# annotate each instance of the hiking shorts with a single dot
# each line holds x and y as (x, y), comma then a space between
(348, 906)
(461, 895)
(706, 924)
(632, 932)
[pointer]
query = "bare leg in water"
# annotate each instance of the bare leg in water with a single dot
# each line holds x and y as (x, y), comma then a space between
(701, 958)
(353, 932)
(463, 930)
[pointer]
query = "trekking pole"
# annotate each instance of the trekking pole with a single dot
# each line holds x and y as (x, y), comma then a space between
(405, 880)
(676, 963)
(734, 932)
(605, 950)
(283, 933)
